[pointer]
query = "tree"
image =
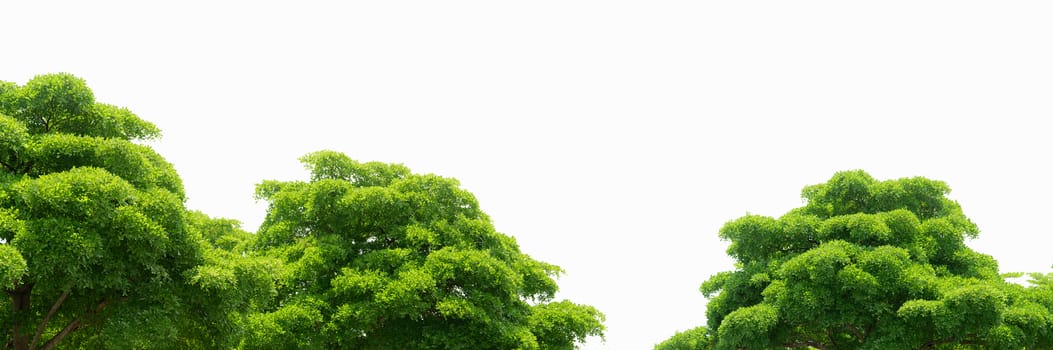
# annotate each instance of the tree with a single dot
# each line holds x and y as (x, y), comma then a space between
(868, 264)
(98, 250)
(376, 257)
(697, 338)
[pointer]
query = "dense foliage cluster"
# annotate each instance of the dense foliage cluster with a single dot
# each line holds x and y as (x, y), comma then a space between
(697, 338)
(96, 243)
(869, 264)
(379, 258)
(97, 250)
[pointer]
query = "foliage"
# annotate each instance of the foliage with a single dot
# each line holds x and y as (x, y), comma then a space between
(63, 103)
(97, 248)
(563, 324)
(376, 257)
(697, 338)
(869, 264)
(98, 251)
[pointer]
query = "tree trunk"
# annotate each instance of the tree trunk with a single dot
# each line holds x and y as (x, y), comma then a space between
(19, 306)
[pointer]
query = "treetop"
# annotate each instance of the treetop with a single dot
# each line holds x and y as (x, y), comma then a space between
(63, 103)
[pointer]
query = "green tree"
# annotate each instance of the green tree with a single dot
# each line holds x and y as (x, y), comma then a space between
(98, 250)
(697, 338)
(205, 309)
(868, 264)
(376, 257)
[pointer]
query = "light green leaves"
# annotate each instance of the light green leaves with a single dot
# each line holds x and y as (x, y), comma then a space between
(94, 233)
(337, 166)
(294, 326)
(974, 308)
(753, 237)
(408, 261)
(698, 338)
(136, 164)
(94, 237)
(868, 264)
(63, 103)
(562, 325)
(117, 122)
(47, 101)
(13, 139)
(856, 191)
(966, 313)
(820, 264)
(12, 266)
(87, 221)
(748, 328)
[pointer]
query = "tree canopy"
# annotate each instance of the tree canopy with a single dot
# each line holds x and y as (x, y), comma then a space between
(98, 251)
(869, 264)
(697, 338)
(97, 248)
(376, 257)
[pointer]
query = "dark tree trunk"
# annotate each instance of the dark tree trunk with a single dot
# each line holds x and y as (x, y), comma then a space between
(19, 307)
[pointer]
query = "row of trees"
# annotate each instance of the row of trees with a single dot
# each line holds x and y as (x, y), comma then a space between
(97, 250)
(867, 264)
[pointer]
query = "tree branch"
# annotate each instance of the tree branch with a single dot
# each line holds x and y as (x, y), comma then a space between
(72, 326)
(855, 331)
(51, 313)
(830, 337)
(812, 343)
(8, 167)
(13, 165)
(970, 341)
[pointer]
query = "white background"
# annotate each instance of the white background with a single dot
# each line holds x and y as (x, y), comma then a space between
(612, 138)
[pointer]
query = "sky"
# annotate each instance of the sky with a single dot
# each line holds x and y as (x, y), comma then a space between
(611, 138)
